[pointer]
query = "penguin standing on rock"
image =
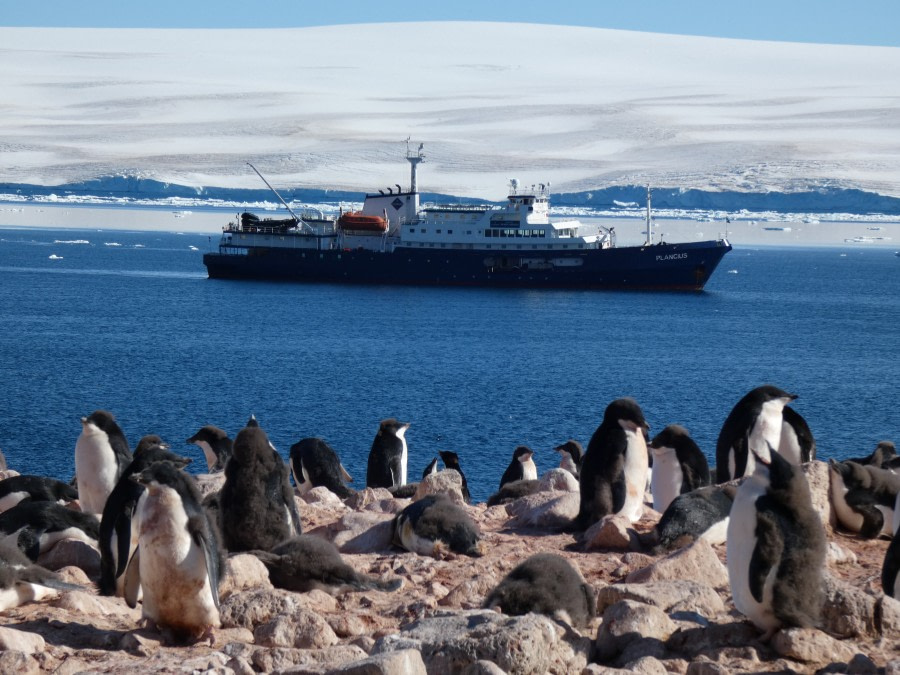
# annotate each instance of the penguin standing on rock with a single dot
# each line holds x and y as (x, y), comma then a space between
(101, 455)
(754, 423)
(678, 466)
(388, 456)
(614, 468)
(776, 547)
(216, 447)
(178, 562)
(118, 538)
(521, 467)
(314, 463)
(256, 504)
(546, 583)
(570, 454)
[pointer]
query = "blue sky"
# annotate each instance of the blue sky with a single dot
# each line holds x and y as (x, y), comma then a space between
(864, 22)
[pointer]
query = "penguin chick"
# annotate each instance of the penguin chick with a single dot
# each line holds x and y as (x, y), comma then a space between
(178, 561)
(117, 537)
(314, 463)
(776, 548)
(864, 497)
(678, 466)
(615, 467)
(256, 503)
(36, 489)
(521, 467)
(307, 562)
(700, 514)
(883, 453)
(513, 491)
(570, 455)
(451, 461)
(545, 583)
(216, 447)
(754, 422)
(101, 455)
(388, 456)
(22, 581)
(434, 524)
(36, 527)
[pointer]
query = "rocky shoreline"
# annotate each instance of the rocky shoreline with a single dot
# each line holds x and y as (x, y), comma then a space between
(655, 614)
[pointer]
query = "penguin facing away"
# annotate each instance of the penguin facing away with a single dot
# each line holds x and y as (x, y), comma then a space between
(451, 461)
(521, 467)
(101, 455)
(178, 562)
(755, 422)
(570, 455)
(36, 527)
(117, 538)
(388, 456)
(256, 503)
(216, 447)
(679, 466)
(314, 463)
(615, 467)
(776, 547)
(545, 583)
(34, 488)
(864, 497)
(22, 581)
(434, 526)
(308, 562)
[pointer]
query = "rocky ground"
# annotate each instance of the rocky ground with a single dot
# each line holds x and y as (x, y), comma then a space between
(655, 614)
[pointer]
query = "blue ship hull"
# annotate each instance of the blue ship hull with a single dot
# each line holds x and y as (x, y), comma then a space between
(676, 267)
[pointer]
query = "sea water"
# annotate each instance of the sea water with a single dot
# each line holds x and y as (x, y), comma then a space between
(129, 322)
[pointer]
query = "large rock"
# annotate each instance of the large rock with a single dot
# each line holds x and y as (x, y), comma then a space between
(72, 552)
(521, 644)
(301, 629)
(363, 533)
(817, 476)
(209, 483)
(243, 571)
(697, 561)
(447, 482)
(372, 499)
(848, 611)
(628, 621)
(810, 646)
(252, 608)
(544, 510)
(21, 641)
(285, 660)
(400, 662)
(669, 596)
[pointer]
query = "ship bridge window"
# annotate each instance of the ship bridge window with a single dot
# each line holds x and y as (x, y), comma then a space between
(423, 230)
(449, 231)
(438, 232)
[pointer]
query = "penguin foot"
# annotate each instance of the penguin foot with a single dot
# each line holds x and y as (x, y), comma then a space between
(766, 637)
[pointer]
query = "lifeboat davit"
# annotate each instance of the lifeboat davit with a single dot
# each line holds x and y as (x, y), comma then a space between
(355, 221)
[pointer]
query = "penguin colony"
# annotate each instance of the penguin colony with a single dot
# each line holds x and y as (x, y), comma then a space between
(164, 547)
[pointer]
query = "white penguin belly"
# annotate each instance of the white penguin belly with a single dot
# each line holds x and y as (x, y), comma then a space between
(529, 470)
(845, 515)
(718, 533)
(95, 470)
(10, 500)
(50, 539)
(174, 579)
(887, 527)
(21, 592)
(208, 454)
(666, 478)
(766, 431)
(741, 541)
(636, 466)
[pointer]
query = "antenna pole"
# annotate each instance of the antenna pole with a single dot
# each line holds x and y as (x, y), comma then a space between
(296, 217)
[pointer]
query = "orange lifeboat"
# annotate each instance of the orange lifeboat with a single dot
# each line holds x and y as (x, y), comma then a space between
(357, 222)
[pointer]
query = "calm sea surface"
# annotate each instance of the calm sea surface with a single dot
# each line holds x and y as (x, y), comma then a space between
(128, 321)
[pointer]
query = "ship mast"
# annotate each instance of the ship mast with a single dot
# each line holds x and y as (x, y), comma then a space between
(649, 221)
(414, 158)
(296, 217)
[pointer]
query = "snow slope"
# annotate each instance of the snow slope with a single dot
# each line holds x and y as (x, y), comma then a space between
(329, 107)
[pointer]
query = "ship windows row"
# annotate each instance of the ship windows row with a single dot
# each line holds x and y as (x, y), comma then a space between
(496, 232)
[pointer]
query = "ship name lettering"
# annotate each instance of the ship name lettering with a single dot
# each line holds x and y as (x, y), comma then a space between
(672, 256)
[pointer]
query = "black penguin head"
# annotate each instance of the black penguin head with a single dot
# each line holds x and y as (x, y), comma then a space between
(523, 453)
(669, 437)
(450, 459)
(150, 442)
(103, 420)
(210, 433)
(393, 427)
(252, 421)
(853, 474)
(769, 392)
(158, 474)
(572, 448)
(626, 413)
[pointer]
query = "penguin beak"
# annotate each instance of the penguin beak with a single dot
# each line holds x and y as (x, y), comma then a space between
(84, 421)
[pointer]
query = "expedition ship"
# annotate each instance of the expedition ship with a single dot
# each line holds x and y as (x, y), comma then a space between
(395, 240)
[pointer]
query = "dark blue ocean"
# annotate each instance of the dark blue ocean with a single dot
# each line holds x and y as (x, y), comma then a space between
(130, 323)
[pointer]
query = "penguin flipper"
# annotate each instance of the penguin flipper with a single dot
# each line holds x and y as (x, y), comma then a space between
(209, 555)
(123, 544)
(863, 502)
(346, 476)
(133, 578)
(768, 550)
(891, 568)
